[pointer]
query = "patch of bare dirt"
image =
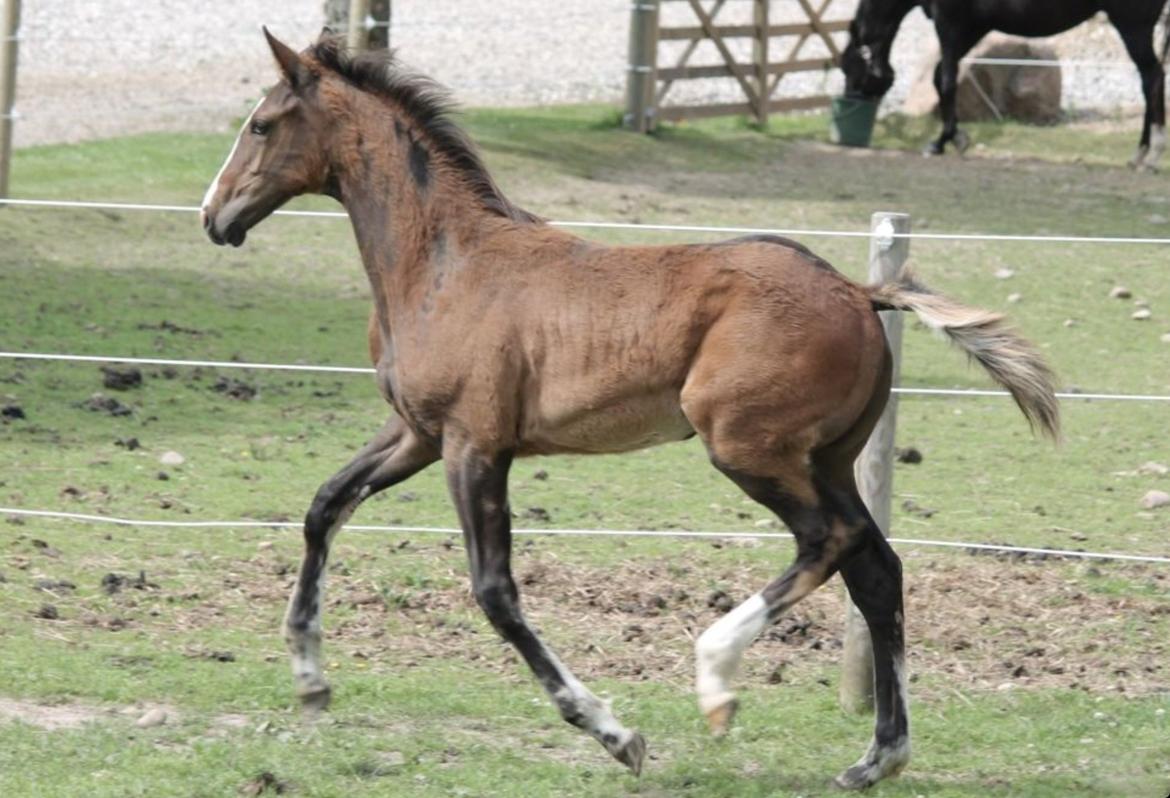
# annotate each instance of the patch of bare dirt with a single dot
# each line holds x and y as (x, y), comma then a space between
(49, 716)
(977, 622)
(973, 622)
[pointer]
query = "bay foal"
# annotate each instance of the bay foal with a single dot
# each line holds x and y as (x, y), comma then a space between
(496, 336)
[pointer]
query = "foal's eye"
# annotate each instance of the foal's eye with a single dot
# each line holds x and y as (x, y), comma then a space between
(260, 127)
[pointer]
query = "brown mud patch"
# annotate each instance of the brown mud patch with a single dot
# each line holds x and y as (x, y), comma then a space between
(977, 623)
(973, 622)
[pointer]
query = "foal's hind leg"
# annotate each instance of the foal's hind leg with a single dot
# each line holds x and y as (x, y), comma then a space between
(392, 456)
(822, 538)
(833, 530)
(874, 578)
(478, 482)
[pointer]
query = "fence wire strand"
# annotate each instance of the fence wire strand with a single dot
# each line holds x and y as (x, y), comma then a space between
(664, 227)
(642, 533)
(235, 364)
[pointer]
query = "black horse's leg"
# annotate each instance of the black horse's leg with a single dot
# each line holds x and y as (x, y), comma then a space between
(479, 488)
(1139, 43)
(954, 44)
(874, 578)
(392, 456)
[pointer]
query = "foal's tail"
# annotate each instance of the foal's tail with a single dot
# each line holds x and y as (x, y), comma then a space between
(1009, 359)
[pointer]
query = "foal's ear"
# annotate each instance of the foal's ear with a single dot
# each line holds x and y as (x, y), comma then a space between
(295, 71)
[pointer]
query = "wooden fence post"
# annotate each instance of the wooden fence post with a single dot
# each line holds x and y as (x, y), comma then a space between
(640, 78)
(760, 59)
(875, 467)
(9, 40)
(356, 37)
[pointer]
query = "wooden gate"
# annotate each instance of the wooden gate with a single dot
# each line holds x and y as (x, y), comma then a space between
(778, 49)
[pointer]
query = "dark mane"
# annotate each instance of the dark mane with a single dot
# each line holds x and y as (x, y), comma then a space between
(425, 102)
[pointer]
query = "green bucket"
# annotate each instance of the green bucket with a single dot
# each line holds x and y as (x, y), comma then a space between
(852, 123)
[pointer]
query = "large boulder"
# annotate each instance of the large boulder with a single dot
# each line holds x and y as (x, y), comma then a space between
(996, 91)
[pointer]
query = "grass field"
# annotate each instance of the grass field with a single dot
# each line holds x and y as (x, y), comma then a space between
(1033, 678)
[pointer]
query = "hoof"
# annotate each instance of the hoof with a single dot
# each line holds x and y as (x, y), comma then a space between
(858, 777)
(875, 766)
(932, 149)
(719, 719)
(315, 699)
(632, 753)
(962, 141)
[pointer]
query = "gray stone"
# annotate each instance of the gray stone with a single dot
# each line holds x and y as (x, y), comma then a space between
(154, 717)
(995, 91)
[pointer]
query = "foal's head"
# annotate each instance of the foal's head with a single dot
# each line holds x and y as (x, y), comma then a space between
(281, 152)
(866, 59)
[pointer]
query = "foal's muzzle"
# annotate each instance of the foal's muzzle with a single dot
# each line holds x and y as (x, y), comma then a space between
(233, 234)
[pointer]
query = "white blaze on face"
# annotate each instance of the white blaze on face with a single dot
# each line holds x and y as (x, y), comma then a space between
(214, 187)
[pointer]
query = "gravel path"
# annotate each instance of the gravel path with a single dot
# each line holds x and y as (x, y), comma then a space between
(95, 68)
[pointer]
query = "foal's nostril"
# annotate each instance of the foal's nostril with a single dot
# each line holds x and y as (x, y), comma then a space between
(204, 218)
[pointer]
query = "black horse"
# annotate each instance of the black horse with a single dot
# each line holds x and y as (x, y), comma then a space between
(962, 23)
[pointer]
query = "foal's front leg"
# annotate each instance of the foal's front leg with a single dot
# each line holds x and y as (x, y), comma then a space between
(479, 488)
(392, 456)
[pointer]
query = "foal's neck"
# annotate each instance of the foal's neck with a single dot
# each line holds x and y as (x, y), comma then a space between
(408, 204)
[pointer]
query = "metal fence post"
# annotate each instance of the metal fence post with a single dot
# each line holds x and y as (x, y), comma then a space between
(9, 42)
(640, 77)
(875, 467)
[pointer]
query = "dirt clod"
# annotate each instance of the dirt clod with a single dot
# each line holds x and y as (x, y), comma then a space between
(12, 411)
(209, 654)
(720, 602)
(47, 612)
(908, 455)
(235, 389)
(912, 507)
(171, 327)
(266, 782)
(100, 403)
(541, 475)
(113, 583)
(129, 444)
(121, 379)
(537, 514)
